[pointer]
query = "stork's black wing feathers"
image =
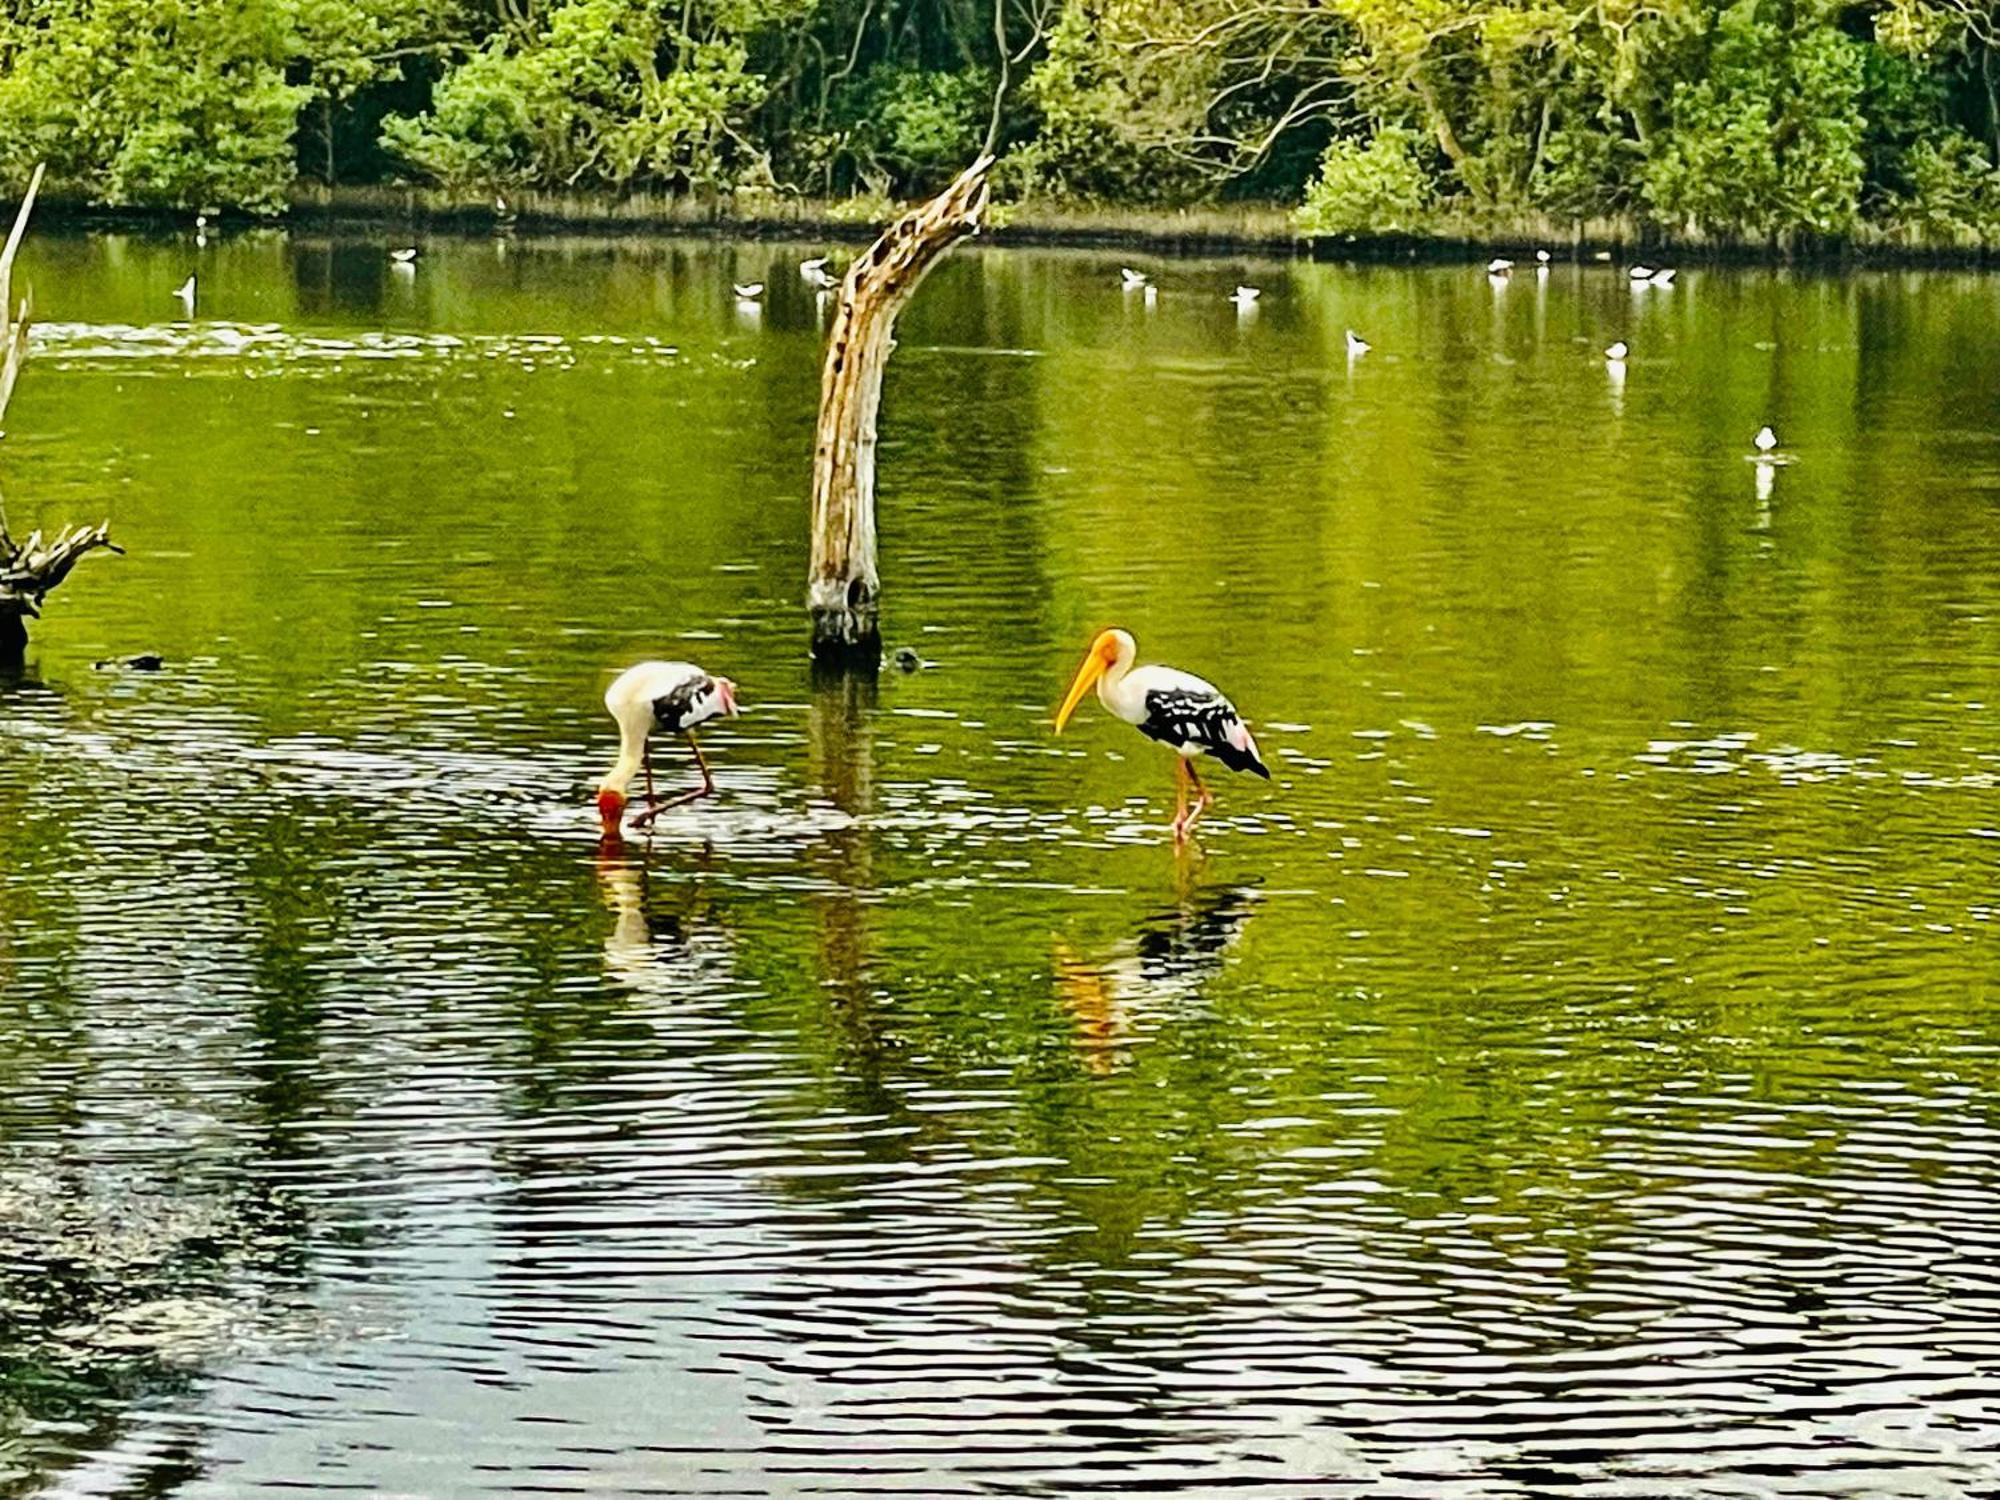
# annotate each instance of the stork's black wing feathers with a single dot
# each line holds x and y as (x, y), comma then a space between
(673, 711)
(1182, 716)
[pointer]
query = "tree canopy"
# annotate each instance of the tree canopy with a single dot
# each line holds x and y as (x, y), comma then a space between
(1751, 118)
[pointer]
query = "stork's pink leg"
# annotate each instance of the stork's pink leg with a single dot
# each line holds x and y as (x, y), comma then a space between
(1203, 796)
(1181, 824)
(706, 789)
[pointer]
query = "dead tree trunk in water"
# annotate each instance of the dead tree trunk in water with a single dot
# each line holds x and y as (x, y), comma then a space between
(842, 585)
(30, 569)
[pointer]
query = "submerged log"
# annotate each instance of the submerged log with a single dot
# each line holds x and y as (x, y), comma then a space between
(30, 569)
(842, 586)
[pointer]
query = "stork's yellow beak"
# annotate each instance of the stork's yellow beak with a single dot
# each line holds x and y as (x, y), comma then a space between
(1086, 678)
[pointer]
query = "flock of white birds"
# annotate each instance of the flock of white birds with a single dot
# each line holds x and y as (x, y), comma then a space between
(813, 271)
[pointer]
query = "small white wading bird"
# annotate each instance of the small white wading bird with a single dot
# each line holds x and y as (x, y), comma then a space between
(1177, 709)
(1616, 353)
(1356, 344)
(1766, 444)
(1662, 277)
(809, 268)
(1132, 280)
(1245, 297)
(1641, 273)
(405, 256)
(748, 291)
(670, 695)
(185, 291)
(1541, 257)
(1499, 267)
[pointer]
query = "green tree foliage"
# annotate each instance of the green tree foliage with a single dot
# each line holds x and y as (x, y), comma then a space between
(1380, 186)
(1754, 118)
(610, 93)
(151, 101)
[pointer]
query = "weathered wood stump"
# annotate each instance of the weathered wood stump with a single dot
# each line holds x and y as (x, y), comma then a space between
(843, 588)
(30, 569)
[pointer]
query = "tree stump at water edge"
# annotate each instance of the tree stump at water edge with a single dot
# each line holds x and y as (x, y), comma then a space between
(842, 586)
(28, 570)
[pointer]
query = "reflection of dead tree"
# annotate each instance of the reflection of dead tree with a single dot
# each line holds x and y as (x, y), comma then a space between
(840, 751)
(842, 583)
(30, 569)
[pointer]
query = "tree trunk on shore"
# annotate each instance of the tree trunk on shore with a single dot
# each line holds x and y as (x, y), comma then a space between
(30, 569)
(842, 586)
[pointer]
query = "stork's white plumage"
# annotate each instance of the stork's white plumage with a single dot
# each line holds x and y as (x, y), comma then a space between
(1130, 279)
(814, 271)
(1178, 709)
(185, 291)
(1499, 267)
(671, 695)
(1616, 353)
(1356, 344)
(1246, 296)
(748, 291)
(405, 256)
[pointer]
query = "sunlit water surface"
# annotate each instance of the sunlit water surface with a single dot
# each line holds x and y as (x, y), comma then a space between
(1574, 1072)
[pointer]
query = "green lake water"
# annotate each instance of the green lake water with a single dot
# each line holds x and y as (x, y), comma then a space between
(1574, 1072)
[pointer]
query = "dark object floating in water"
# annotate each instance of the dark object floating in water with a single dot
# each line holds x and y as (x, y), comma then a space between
(145, 662)
(907, 660)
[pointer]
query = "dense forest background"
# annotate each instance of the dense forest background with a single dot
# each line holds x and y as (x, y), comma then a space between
(1762, 118)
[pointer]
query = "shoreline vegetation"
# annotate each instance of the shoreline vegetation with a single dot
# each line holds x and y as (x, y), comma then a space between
(1801, 130)
(1267, 230)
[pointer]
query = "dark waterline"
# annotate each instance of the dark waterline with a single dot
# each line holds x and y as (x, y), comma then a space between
(1575, 1072)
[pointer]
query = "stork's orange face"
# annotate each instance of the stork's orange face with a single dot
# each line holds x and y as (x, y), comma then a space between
(1099, 660)
(610, 809)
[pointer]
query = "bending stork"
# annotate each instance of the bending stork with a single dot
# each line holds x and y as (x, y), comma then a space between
(1175, 708)
(670, 695)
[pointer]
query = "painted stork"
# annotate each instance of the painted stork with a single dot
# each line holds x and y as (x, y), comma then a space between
(670, 695)
(1175, 708)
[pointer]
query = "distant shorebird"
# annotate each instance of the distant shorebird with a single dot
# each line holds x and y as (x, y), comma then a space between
(1765, 442)
(1356, 344)
(807, 267)
(1641, 273)
(815, 272)
(1541, 257)
(1132, 280)
(406, 256)
(185, 291)
(1662, 277)
(748, 291)
(1499, 267)
(1617, 352)
(1245, 297)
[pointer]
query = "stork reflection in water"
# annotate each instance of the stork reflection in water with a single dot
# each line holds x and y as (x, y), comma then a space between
(1160, 973)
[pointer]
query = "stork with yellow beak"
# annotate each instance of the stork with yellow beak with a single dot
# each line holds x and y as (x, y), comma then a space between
(1176, 708)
